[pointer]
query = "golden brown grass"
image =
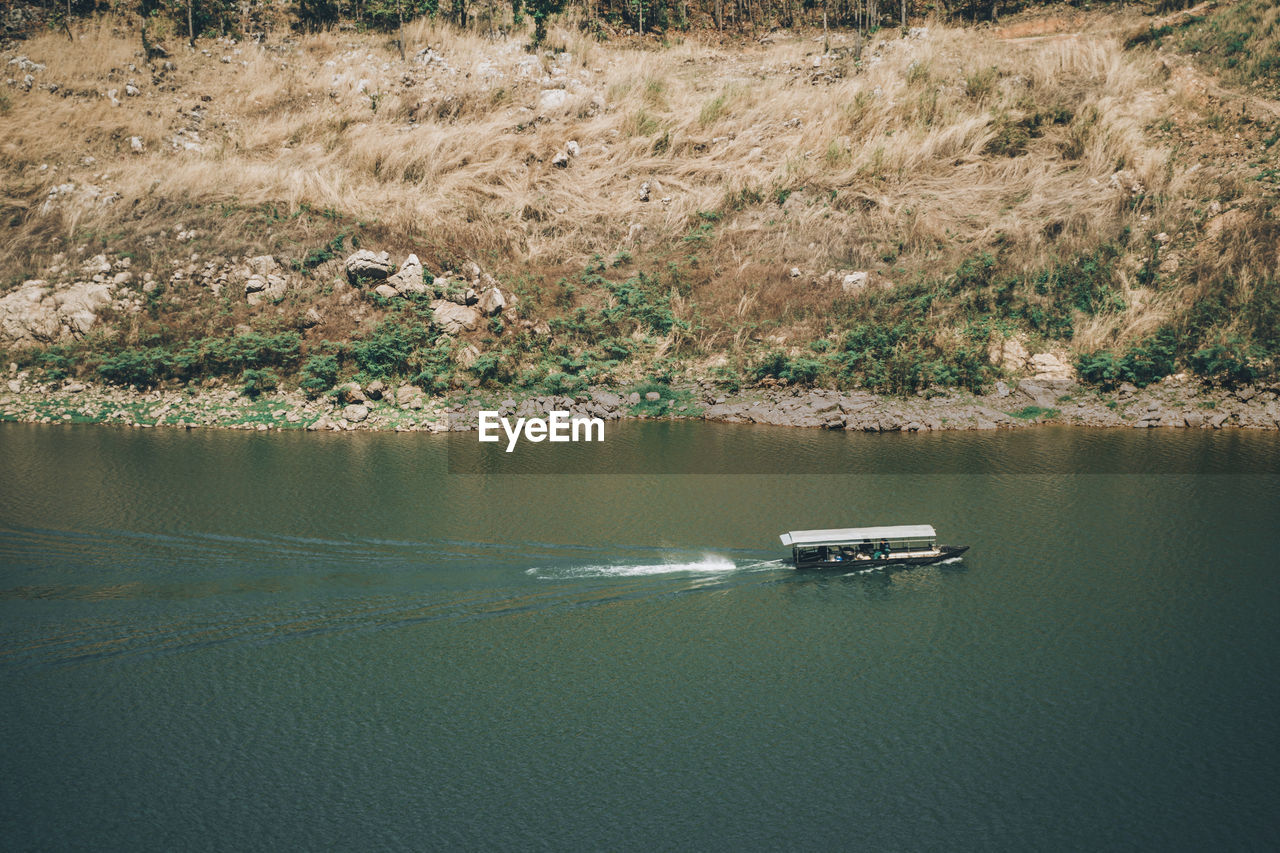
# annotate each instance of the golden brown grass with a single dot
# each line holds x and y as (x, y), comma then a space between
(933, 150)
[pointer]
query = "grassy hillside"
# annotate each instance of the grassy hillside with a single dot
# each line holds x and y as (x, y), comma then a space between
(896, 213)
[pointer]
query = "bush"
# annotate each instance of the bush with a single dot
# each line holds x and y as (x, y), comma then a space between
(1142, 364)
(56, 362)
(319, 374)
(1229, 362)
(386, 351)
(144, 366)
(258, 381)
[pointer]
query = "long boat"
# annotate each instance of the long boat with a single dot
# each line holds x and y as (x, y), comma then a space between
(868, 547)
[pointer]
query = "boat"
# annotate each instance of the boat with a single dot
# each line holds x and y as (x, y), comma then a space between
(868, 547)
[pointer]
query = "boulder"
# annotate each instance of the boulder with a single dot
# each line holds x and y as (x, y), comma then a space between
(1044, 392)
(37, 313)
(355, 413)
(1049, 366)
(375, 389)
(386, 291)
(1009, 353)
(492, 302)
(467, 356)
(409, 278)
(265, 288)
(454, 319)
(854, 282)
(351, 392)
(407, 395)
(552, 99)
(364, 265)
(312, 318)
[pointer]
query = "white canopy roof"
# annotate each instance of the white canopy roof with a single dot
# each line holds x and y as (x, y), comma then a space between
(857, 534)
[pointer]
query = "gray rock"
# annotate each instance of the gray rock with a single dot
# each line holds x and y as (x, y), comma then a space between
(633, 398)
(375, 389)
(454, 319)
(37, 313)
(386, 291)
(1193, 419)
(355, 413)
(652, 396)
(492, 302)
(409, 279)
(364, 265)
(407, 394)
(312, 318)
(351, 392)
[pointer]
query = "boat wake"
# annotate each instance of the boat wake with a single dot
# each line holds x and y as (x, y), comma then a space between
(951, 561)
(708, 565)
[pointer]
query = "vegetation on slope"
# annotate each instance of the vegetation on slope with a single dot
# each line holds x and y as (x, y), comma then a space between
(1055, 188)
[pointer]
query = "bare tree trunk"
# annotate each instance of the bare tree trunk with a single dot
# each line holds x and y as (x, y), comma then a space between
(191, 23)
(826, 39)
(904, 14)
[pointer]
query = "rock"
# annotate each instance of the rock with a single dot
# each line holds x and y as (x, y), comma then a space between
(355, 413)
(312, 318)
(571, 148)
(454, 319)
(652, 396)
(1193, 419)
(135, 144)
(1010, 354)
(1217, 421)
(552, 99)
(409, 278)
(492, 302)
(606, 399)
(375, 389)
(643, 195)
(1002, 390)
(1246, 393)
(467, 356)
(1049, 366)
(364, 265)
(1044, 392)
(386, 291)
(351, 392)
(561, 160)
(271, 288)
(470, 297)
(854, 282)
(406, 395)
(633, 398)
(37, 313)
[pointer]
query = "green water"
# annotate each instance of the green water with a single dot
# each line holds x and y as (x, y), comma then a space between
(232, 641)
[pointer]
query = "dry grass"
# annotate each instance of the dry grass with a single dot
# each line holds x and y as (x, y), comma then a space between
(933, 150)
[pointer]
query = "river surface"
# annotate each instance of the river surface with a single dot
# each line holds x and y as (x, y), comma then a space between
(217, 640)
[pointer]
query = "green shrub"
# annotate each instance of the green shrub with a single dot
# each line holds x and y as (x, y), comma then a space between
(56, 362)
(258, 381)
(1229, 362)
(143, 366)
(1145, 362)
(387, 349)
(319, 374)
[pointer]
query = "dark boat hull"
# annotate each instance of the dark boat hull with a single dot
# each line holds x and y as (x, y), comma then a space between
(945, 552)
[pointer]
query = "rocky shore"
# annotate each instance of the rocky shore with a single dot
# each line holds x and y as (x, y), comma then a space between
(1175, 402)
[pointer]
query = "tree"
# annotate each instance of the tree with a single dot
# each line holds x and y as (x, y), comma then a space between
(540, 10)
